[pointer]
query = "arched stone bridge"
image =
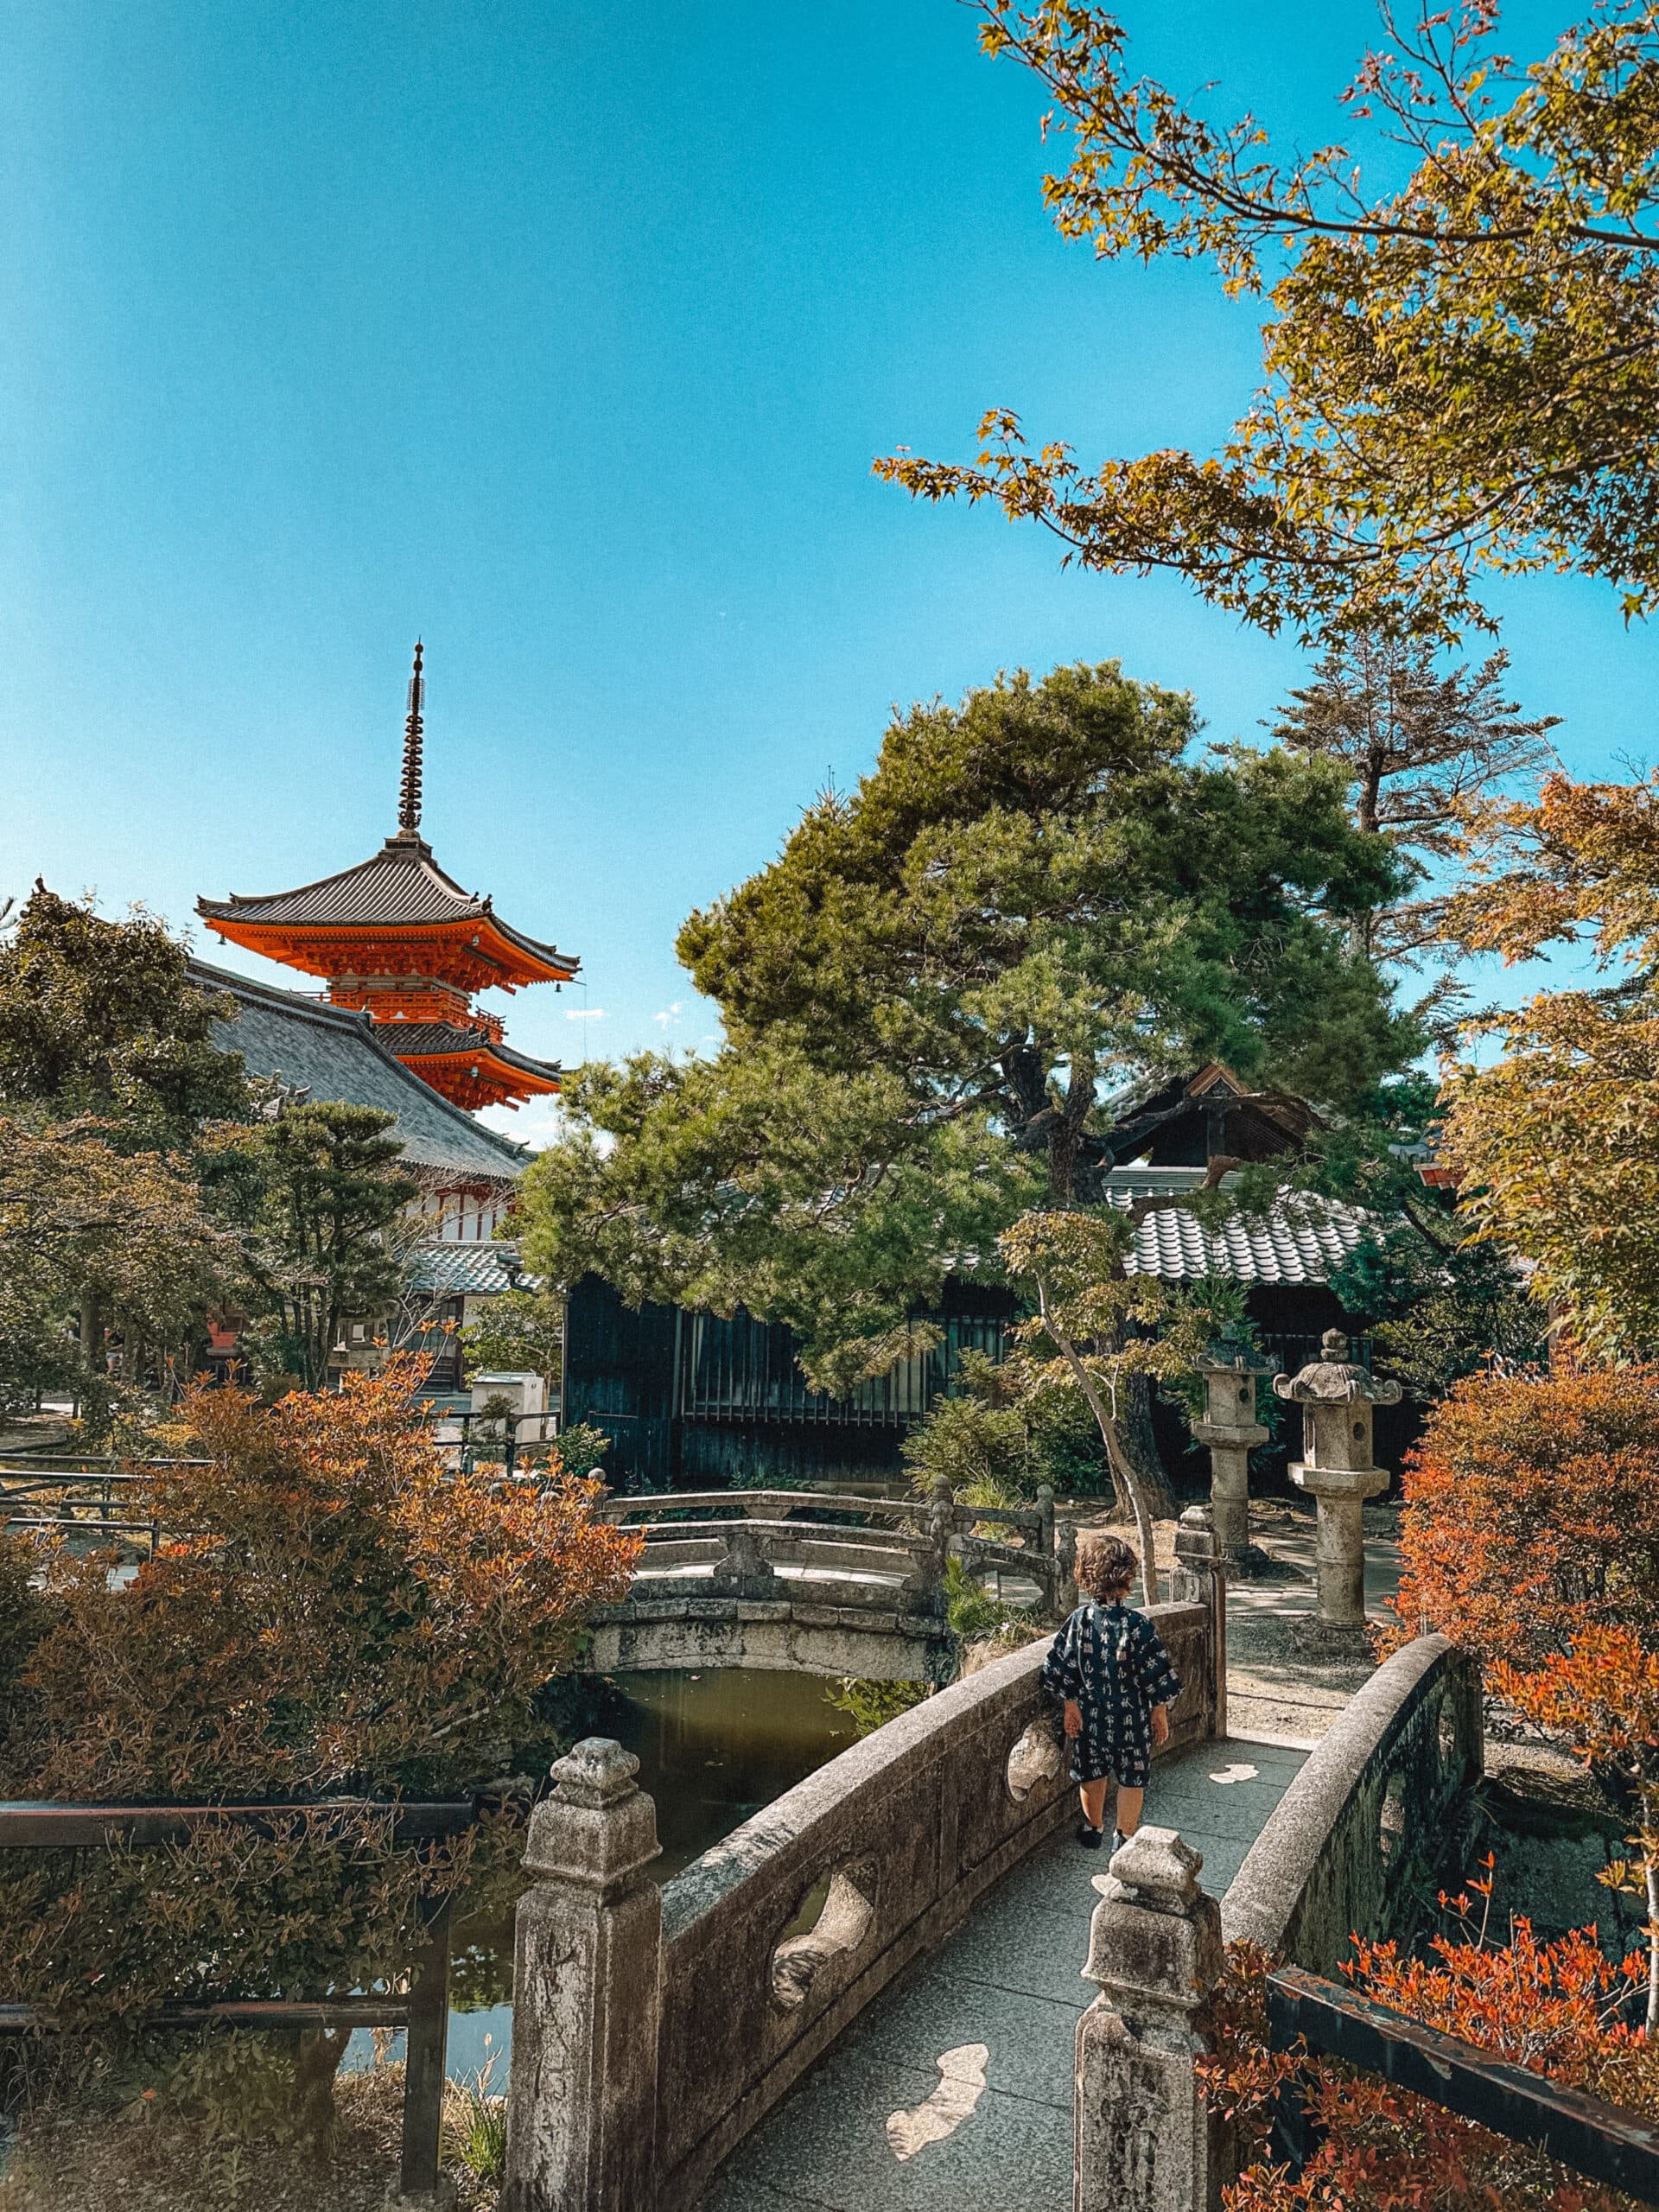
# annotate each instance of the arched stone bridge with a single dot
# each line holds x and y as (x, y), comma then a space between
(812, 1583)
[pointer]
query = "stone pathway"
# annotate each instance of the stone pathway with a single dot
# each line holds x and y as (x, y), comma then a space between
(954, 2089)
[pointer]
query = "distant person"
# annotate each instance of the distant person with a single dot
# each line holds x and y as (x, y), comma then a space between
(1109, 1671)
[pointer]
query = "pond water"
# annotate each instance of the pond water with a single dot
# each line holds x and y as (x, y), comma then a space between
(714, 1748)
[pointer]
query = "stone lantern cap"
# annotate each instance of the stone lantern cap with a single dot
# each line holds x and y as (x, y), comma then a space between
(1334, 1379)
(1229, 1354)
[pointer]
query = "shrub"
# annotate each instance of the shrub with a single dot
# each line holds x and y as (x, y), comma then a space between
(332, 1614)
(1555, 2008)
(1532, 1513)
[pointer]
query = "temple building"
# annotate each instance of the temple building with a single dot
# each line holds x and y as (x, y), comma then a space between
(401, 948)
(397, 939)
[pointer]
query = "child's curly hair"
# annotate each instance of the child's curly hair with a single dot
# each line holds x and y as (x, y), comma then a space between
(1106, 1567)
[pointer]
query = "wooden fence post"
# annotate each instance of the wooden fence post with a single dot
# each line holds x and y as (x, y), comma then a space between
(420, 2184)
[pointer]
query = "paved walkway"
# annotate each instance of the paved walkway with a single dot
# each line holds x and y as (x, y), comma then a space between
(954, 2089)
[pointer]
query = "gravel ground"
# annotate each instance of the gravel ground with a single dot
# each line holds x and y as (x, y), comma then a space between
(124, 2165)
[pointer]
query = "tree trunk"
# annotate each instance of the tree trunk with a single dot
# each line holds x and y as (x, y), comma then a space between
(316, 2061)
(1124, 1476)
(1651, 1870)
(1139, 1446)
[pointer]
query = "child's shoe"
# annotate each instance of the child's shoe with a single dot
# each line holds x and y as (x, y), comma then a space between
(1089, 1836)
(1118, 1839)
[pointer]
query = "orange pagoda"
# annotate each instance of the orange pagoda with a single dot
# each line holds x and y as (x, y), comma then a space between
(397, 940)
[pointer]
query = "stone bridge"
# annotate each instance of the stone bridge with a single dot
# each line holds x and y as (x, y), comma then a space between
(812, 1583)
(870, 1998)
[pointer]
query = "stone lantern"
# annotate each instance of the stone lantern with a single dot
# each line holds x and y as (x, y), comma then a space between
(1337, 1396)
(1230, 1367)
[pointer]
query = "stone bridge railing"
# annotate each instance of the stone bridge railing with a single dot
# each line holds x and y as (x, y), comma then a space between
(808, 1581)
(654, 2028)
(1356, 1845)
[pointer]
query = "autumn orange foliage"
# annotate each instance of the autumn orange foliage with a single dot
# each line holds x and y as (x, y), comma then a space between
(1532, 1515)
(339, 1613)
(1560, 2008)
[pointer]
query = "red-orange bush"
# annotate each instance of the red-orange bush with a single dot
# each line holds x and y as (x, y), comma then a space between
(341, 1614)
(1560, 2008)
(1532, 1513)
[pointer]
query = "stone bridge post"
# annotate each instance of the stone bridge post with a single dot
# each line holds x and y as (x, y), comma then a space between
(586, 1964)
(1144, 2140)
(1200, 1577)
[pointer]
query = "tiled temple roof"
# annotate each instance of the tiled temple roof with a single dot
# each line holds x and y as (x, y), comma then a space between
(1296, 1243)
(328, 1051)
(451, 1270)
(400, 884)
(410, 1040)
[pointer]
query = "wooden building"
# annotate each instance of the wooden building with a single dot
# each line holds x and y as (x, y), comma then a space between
(691, 1399)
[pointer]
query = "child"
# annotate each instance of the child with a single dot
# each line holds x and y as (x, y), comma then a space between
(1113, 1675)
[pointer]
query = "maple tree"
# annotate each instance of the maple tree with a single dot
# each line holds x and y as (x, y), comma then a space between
(1559, 2008)
(332, 1613)
(1460, 364)
(1531, 1535)
(1553, 1142)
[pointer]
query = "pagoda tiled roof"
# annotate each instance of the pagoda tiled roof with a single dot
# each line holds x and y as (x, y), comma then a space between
(327, 1052)
(414, 1040)
(400, 885)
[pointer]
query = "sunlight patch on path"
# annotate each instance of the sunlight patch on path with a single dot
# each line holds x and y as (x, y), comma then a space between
(962, 2084)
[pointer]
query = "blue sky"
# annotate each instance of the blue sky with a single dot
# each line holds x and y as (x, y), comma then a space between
(565, 335)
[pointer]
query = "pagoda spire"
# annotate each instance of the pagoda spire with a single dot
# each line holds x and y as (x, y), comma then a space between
(409, 791)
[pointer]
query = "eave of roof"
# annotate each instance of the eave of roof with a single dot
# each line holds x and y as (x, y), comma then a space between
(433, 1131)
(419, 1040)
(401, 886)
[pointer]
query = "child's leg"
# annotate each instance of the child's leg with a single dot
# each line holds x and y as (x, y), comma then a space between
(1130, 1802)
(1093, 1795)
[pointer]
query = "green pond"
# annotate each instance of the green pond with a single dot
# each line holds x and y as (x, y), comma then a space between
(713, 1747)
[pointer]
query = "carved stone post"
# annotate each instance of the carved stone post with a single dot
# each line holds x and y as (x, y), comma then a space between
(1338, 1397)
(1144, 2141)
(745, 1572)
(1066, 1551)
(1201, 1578)
(1230, 1367)
(582, 2096)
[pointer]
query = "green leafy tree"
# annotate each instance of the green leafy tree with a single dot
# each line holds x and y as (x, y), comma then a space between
(316, 1192)
(1033, 894)
(1554, 1139)
(1044, 887)
(522, 1332)
(1096, 1328)
(1421, 744)
(100, 1018)
(116, 1242)
(1460, 372)
(109, 1077)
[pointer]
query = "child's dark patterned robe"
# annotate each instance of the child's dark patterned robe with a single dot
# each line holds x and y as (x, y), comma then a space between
(1110, 1661)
